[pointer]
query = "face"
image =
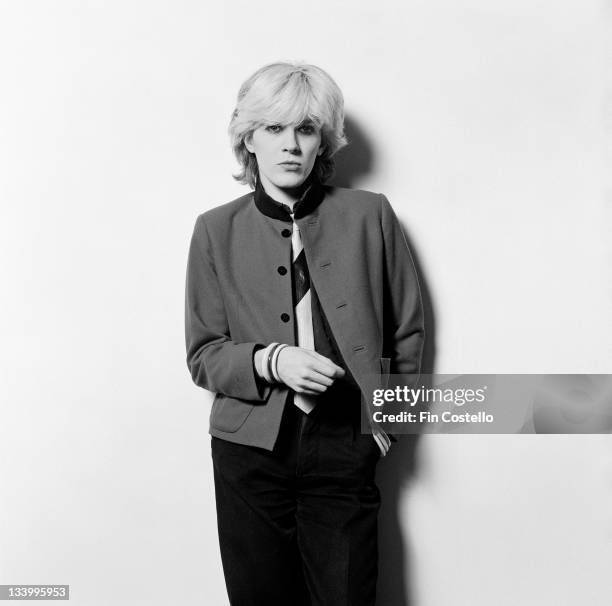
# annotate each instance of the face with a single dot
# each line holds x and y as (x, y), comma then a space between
(285, 154)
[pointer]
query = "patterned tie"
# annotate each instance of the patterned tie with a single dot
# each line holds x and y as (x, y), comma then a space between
(303, 309)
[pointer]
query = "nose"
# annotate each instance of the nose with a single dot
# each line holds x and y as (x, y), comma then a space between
(290, 142)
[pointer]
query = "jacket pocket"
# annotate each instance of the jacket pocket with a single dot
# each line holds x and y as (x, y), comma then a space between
(229, 414)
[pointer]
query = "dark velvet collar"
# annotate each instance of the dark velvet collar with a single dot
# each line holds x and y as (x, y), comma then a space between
(311, 198)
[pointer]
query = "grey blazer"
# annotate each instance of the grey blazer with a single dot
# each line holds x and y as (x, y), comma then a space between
(363, 274)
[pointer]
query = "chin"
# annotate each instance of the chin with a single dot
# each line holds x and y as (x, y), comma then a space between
(289, 181)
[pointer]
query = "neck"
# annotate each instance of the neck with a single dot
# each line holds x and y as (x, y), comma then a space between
(285, 195)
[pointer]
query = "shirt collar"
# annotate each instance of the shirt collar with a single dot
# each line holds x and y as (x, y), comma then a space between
(311, 198)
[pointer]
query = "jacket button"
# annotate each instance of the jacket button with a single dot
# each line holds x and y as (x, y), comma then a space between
(282, 270)
(285, 317)
(286, 233)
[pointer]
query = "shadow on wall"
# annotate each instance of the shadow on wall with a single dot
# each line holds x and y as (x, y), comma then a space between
(398, 469)
(356, 159)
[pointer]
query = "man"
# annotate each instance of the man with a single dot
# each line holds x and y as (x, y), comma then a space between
(297, 293)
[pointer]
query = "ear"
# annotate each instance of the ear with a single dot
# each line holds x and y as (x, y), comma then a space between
(248, 143)
(321, 150)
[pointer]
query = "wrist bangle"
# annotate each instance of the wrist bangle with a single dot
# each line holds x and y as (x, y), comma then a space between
(264, 363)
(275, 362)
(269, 364)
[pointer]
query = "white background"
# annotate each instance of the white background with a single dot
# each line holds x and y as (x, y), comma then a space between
(483, 123)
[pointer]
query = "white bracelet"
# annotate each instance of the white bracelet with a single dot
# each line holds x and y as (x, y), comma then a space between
(275, 361)
(263, 370)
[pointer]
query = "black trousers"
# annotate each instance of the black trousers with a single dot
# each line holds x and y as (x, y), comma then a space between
(298, 525)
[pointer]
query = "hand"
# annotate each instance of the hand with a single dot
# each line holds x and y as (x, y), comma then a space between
(382, 440)
(305, 371)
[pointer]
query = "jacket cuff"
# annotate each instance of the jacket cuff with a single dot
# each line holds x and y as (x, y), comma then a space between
(263, 387)
(246, 379)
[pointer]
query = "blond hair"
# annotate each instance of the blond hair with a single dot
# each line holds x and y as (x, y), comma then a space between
(288, 93)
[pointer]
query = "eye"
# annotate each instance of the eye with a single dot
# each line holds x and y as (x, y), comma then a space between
(274, 128)
(307, 128)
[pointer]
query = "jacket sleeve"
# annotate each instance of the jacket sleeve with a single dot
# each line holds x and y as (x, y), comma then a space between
(403, 311)
(215, 361)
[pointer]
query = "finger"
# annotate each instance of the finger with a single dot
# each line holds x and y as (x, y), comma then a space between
(307, 392)
(380, 445)
(326, 367)
(382, 435)
(312, 386)
(319, 378)
(317, 356)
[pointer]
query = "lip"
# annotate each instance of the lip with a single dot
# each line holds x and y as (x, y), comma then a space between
(289, 163)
